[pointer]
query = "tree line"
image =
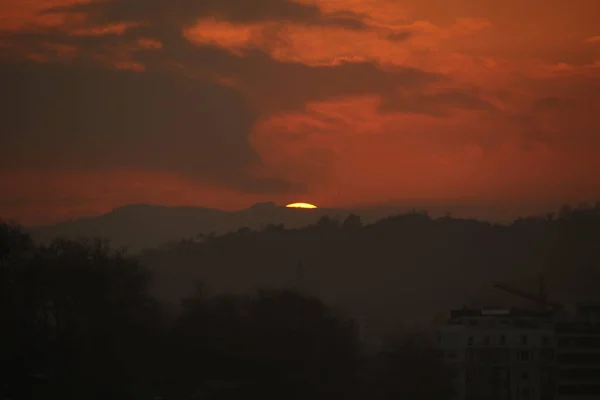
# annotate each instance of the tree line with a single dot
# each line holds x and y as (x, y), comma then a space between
(402, 270)
(80, 322)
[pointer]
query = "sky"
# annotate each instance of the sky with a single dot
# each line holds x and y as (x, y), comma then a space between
(224, 103)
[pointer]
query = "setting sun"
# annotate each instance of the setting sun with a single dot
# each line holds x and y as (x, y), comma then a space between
(301, 205)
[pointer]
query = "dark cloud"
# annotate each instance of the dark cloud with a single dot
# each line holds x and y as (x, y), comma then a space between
(551, 103)
(399, 36)
(276, 84)
(74, 201)
(270, 186)
(345, 19)
(437, 104)
(80, 116)
(184, 12)
(289, 85)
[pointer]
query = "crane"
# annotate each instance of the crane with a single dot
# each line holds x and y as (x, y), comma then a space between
(541, 299)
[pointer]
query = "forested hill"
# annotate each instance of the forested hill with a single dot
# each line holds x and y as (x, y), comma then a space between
(409, 267)
(142, 226)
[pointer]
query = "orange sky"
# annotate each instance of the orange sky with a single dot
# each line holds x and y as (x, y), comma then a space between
(224, 103)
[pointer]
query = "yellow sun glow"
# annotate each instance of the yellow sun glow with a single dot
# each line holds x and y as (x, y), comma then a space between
(301, 205)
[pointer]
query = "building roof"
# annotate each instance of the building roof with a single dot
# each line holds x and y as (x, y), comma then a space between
(499, 313)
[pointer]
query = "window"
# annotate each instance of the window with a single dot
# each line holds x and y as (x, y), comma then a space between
(486, 340)
(523, 355)
(503, 374)
(470, 341)
(470, 355)
(525, 375)
(471, 375)
(545, 340)
(547, 355)
(524, 340)
(547, 375)
(525, 392)
(502, 340)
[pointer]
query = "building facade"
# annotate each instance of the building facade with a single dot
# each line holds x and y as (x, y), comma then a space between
(500, 354)
(578, 354)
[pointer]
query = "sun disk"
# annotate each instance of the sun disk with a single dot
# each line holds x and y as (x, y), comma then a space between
(301, 205)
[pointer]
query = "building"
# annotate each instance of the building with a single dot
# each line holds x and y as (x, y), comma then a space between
(578, 354)
(500, 354)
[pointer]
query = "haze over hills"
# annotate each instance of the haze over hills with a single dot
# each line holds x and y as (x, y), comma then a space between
(140, 226)
(408, 268)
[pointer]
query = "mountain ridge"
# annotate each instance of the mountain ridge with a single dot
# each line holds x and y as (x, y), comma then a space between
(142, 225)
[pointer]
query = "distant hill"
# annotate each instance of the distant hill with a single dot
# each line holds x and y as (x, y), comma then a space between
(402, 269)
(141, 226)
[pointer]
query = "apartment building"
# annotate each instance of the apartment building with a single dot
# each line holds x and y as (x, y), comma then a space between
(578, 354)
(500, 354)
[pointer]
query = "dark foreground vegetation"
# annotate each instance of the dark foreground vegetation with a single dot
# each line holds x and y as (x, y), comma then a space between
(78, 322)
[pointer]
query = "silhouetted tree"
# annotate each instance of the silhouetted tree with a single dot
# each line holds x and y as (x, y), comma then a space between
(80, 318)
(18, 325)
(272, 228)
(352, 222)
(327, 223)
(244, 231)
(275, 344)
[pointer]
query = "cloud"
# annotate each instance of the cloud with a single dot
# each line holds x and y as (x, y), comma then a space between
(551, 103)
(438, 103)
(340, 100)
(184, 120)
(185, 12)
(366, 154)
(275, 84)
(399, 36)
(289, 85)
(134, 95)
(88, 117)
